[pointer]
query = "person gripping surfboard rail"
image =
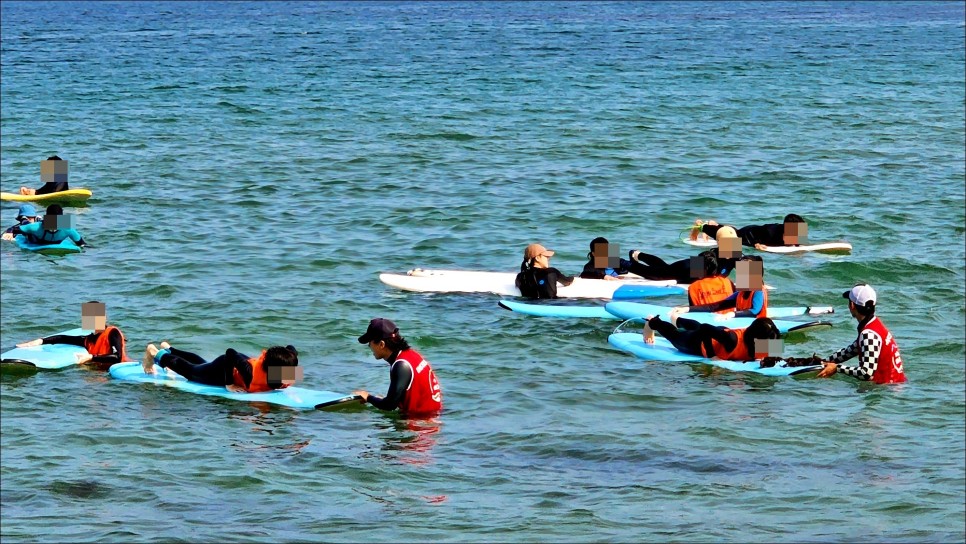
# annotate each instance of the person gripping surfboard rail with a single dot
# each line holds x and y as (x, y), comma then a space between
(105, 346)
(749, 297)
(54, 228)
(413, 387)
(537, 279)
(275, 368)
(53, 172)
(878, 353)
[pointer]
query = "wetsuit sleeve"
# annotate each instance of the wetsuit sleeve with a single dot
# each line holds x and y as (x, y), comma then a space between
(239, 362)
(757, 301)
(116, 342)
(725, 304)
(400, 376)
(64, 339)
(869, 346)
(592, 273)
(710, 230)
(561, 277)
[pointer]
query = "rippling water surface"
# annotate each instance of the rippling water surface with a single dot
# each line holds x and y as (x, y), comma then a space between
(256, 165)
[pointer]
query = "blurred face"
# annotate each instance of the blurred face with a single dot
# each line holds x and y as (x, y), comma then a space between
(768, 348)
(606, 256)
(288, 375)
(94, 316)
(379, 349)
(729, 248)
(795, 234)
(749, 275)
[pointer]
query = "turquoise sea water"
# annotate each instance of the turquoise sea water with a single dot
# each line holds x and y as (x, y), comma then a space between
(256, 165)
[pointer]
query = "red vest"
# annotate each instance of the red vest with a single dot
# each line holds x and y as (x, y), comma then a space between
(889, 367)
(740, 353)
(100, 345)
(423, 396)
(743, 302)
(709, 290)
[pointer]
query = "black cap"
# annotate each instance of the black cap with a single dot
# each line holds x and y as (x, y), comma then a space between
(379, 329)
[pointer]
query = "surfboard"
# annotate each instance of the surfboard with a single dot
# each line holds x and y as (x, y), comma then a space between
(46, 356)
(64, 247)
(503, 283)
(631, 310)
(663, 350)
(701, 243)
(293, 397)
(70, 196)
(827, 247)
(600, 312)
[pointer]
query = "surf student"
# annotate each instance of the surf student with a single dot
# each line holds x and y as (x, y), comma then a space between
(792, 231)
(104, 345)
(537, 279)
(53, 229)
(53, 172)
(879, 359)
(653, 267)
(750, 299)
(413, 387)
(704, 340)
(712, 287)
(25, 215)
(273, 369)
(601, 265)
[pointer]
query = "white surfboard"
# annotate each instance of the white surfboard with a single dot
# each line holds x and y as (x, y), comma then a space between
(504, 283)
(828, 247)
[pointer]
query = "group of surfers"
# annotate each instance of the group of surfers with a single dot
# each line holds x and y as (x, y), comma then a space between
(710, 290)
(54, 226)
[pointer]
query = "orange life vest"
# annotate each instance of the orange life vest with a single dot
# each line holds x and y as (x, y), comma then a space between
(710, 290)
(259, 376)
(743, 302)
(740, 353)
(101, 345)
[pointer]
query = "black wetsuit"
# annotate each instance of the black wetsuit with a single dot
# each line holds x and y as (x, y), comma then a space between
(115, 340)
(536, 283)
(771, 234)
(592, 272)
(217, 372)
(400, 374)
(52, 187)
(22, 222)
(689, 336)
(653, 267)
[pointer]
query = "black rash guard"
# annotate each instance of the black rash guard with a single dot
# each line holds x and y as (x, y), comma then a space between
(114, 339)
(536, 283)
(592, 272)
(653, 267)
(770, 234)
(52, 187)
(400, 377)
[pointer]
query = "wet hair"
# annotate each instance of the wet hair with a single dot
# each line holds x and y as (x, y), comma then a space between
(793, 218)
(762, 328)
(55, 209)
(594, 242)
(54, 158)
(396, 343)
(281, 356)
(710, 264)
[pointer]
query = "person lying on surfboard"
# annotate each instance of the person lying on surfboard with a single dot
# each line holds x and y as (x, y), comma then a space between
(105, 346)
(53, 172)
(413, 387)
(274, 369)
(603, 261)
(537, 279)
(26, 215)
(688, 270)
(748, 299)
(53, 229)
(792, 231)
(689, 336)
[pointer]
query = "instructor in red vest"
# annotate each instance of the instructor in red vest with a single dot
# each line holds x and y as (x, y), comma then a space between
(413, 387)
(879, 359)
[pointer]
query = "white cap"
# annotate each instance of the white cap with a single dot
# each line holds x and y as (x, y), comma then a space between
(861, 294)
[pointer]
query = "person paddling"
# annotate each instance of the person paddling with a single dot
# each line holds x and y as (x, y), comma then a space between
(104, 346)
(53, 229)
(792, 231)
(413, 387)
(704, 340)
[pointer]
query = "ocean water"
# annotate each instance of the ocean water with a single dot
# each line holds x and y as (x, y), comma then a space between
(256, 165)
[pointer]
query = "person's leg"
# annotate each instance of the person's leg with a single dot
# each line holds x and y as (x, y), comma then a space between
(208, 373)
(684, 340)
(649, 266)
(186, 355)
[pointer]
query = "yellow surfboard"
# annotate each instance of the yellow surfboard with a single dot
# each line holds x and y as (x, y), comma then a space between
(72, 196)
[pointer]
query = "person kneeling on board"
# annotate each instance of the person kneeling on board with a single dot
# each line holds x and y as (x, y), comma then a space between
(237, 372)
(53, 172)
(26, 215)
(537, 279)
(688, 270)
(413, 387)
(104, 346)
(749, 300)
(792, 231)
(879, 358)
(603, 261)
(689, 336)
(53, 229)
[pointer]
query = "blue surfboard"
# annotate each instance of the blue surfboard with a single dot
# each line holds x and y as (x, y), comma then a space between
(552, 310)
(631, 310)
(632, 291)
(663, 350)
(46, 356)
(293, 397)
(63, 248)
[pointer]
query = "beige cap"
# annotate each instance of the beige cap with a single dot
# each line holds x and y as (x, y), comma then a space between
(535, 250)
(725, 232)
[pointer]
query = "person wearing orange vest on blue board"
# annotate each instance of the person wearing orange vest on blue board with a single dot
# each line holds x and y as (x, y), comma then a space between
(749, 300)
(704, 340)
(712, 286)
(106, 345)
(413, 387)
(879, 358)
(274, 368)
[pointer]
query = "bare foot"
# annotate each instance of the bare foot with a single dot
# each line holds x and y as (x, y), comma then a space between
(26, 191)
(165, 344)
(648, 332)
(673, 316)
(148, 362)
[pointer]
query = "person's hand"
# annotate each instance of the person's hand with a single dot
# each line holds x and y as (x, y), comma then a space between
(83, 357)
(362, 393)
(698, 222)
(712, 222)
(761, 247)
(829, 369)
(681, 309)
(611, 278)
(8, 236)
(724, 317)
(31, 343)
(232, 388)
